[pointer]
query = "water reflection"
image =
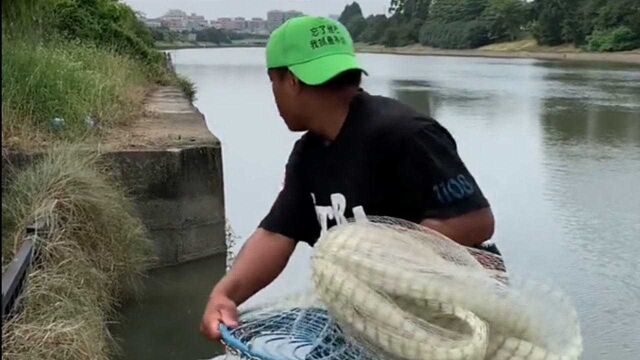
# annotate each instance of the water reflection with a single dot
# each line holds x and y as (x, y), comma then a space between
(566, 120)
(164, 323)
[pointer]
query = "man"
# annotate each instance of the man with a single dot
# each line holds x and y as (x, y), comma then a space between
(362, 155)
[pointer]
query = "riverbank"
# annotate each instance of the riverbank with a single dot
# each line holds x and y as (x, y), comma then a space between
(510, 52)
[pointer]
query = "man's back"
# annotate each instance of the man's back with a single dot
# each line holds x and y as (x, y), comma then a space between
(387, 160)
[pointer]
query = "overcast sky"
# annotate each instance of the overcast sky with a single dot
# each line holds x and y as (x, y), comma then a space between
(212, 9)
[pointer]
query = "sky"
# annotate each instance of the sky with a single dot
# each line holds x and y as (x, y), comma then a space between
(212, 9)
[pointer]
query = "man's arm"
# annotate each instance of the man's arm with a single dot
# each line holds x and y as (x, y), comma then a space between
(469, 229)
(261, 260)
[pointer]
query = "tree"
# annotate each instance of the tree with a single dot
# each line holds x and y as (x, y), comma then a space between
(411, 9)
(353, 20)
(350, 11)
(551, 14)
(615, 39)
(400, 32)
(455, 35)
(505, 19)
(448, 11)
(376, 26)
(212, 35)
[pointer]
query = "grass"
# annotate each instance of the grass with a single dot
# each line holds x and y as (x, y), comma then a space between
(76, 82)
(91, 259)
(187, 86)
(530, 45)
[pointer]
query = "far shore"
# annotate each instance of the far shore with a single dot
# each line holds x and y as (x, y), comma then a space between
(504, 50)
(628, 57)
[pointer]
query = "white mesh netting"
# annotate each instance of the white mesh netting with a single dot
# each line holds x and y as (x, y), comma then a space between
(390, 289)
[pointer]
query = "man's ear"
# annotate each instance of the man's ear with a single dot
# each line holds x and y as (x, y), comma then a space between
(295, 83)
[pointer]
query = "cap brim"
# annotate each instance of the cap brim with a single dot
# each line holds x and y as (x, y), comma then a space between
(321, 70)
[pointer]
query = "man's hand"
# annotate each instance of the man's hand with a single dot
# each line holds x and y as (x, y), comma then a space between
(261, 260)
(220, 309)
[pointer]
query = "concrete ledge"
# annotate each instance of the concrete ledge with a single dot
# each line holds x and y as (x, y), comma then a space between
(172, 166)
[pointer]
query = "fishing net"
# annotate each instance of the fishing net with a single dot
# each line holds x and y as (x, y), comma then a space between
(389, 289)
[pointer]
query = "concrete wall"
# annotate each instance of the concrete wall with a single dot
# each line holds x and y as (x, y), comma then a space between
(171, 165)
(179, 196)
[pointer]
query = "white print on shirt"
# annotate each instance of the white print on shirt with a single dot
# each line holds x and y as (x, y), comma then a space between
(336, 211)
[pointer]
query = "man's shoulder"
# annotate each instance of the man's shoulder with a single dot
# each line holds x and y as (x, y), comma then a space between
(392, 119)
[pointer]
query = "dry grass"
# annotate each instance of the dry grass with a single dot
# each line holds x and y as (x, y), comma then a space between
(92, 257)
(530, 45)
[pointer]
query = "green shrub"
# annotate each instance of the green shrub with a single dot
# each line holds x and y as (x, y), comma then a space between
(455, 35)
(615, 39)
(375, 29)
(402, 32)
(107, 24)
(187, 86)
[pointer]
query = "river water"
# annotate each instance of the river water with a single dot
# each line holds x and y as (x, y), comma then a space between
(555, 147)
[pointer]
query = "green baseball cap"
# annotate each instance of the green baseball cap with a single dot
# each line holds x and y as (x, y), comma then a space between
(314, 48)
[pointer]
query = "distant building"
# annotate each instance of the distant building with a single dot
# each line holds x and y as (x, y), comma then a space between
(238, 24)
(153, 23)
(291, 14)
(276, 18)
(257, 26)
(196, 22)
(149, 22)
(178, 20)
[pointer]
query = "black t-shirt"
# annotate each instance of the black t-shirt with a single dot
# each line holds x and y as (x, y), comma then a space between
(387, 160)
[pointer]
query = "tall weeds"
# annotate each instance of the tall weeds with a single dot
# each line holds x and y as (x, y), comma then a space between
(92, 257)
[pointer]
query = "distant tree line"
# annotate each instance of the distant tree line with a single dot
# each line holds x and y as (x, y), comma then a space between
(596, 25)
(211, 35)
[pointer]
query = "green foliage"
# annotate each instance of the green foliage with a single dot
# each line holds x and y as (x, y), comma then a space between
(456, 24)
(376, 27)
(472, 23)
(400, 32)
(106, 23)
(353, 20)
(578, 21)
(505, 19)
(350, 12)
(234, 35)
(554, 16)
(455, 35)
(163, 34)
(448, 11)
(24, 15)
(411, 9)
(69, 80)
(212, 35)
(356, 27)
(188, 87)
(615, 39)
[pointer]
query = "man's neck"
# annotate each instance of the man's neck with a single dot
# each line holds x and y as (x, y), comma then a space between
(329, 112)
